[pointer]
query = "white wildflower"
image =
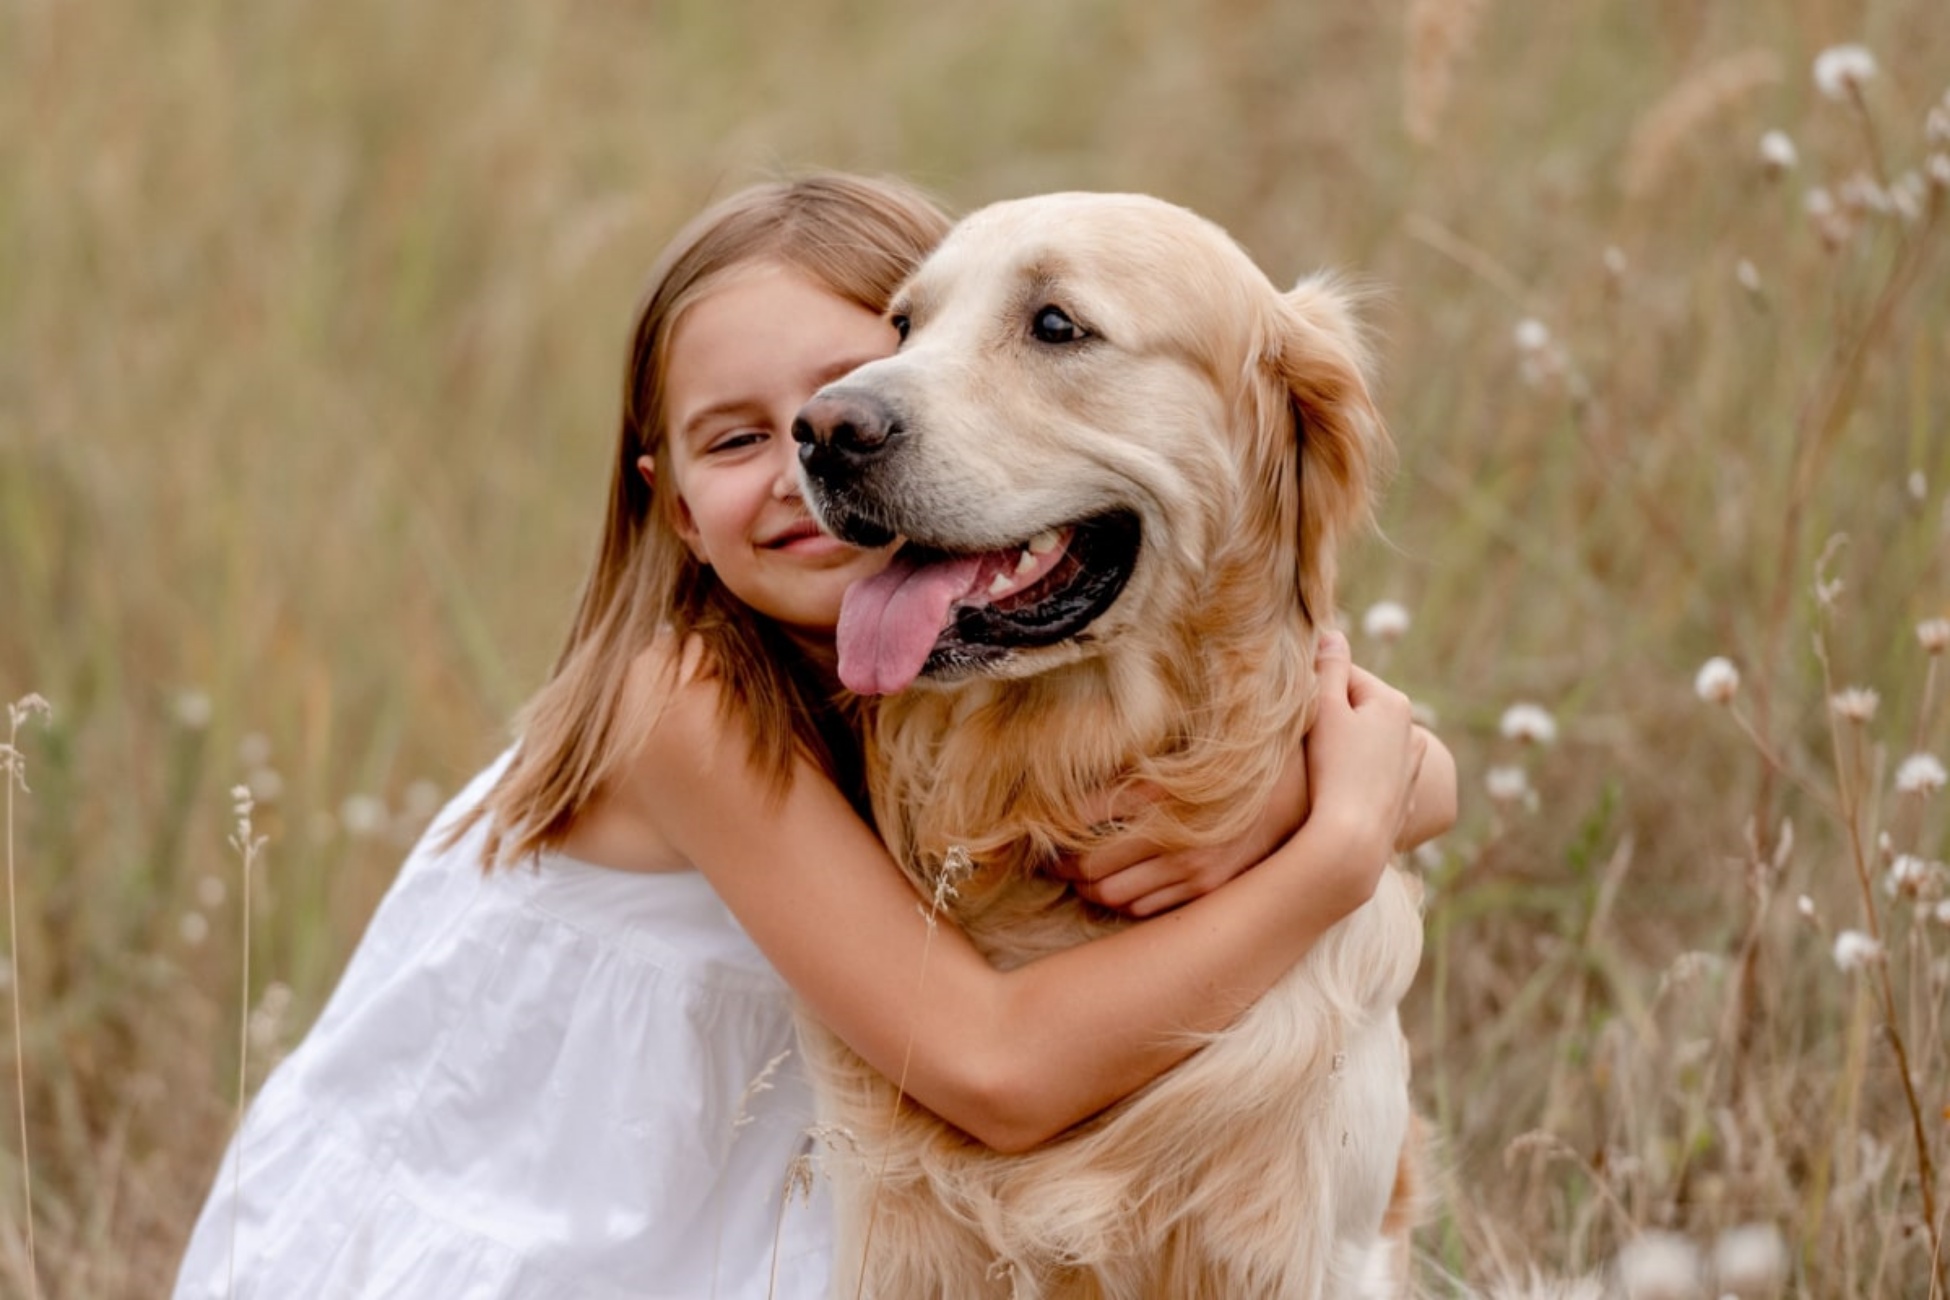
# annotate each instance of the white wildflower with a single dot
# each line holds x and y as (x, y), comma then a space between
(1907, 194)
(210, 892)
(1750, 1260)
(1659, 1266)
(1933, 634)
(1943, 912)
(1818, 203)
(241, 801)
(1385, 621)
(1777, 153)
(194, 928)
(1806, 907)
(1920, 774)
(1718, 680)
(1529, 723)
(265, 784)
(1936, 124)
(1938, 170)
(1854, 703)
(363, 815)
(1862, 193)
(421, 801)
(1616, 263)
(254, 750)
(1854, 950)
(192, 710)
(1506, 784)
(1908, 875)
(1531, 335)
(1747, 275)
(1842, 70)
(1918, 486)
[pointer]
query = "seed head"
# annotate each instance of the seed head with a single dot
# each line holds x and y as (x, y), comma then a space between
(1938, 168)
(1934, 635)
(1854, 950)
(1936, 125)
(1747, 275)
(1854, 704)
(363, 815)
(1529, 724)
(1531, 335)
(1916, 485)
(1908, 876)
(1385, 621)
(1506, 784)
(1777, 153)
(1718, 681)
(1806, 907)
(1750, 1260)
(1920, 774)
(241, 801)
(194, 927)
(1842, 70)
(1616, 263)
(1659, 1266)
(192, 710)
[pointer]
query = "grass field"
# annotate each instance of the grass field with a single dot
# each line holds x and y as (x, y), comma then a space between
(311, 327)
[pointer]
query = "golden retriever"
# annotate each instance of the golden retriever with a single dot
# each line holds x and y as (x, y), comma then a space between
(1123, 462)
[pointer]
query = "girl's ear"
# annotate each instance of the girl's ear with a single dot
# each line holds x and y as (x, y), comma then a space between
(646, 466)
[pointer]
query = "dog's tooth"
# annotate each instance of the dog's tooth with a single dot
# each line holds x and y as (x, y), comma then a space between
(1043, 543)
(1025, 562)
(999, 584)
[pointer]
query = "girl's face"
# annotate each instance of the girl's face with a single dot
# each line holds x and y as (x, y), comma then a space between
(741, 362)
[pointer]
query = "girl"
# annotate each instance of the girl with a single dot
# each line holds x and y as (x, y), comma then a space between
(557, 1066)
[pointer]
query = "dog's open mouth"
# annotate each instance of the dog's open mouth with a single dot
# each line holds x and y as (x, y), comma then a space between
(938, 612)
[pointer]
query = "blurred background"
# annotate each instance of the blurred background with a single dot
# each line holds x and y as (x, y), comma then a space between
(312, 323)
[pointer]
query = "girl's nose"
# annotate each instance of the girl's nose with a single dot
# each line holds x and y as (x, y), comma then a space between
(786, 485)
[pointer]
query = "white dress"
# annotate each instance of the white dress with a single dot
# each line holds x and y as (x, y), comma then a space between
(549, 1082)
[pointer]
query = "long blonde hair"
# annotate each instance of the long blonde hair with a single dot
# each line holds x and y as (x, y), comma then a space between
(858, 237)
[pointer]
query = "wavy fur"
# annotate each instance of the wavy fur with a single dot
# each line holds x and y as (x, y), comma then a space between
(1237, 422)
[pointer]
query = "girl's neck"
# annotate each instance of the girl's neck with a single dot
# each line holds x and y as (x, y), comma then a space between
(819, 653)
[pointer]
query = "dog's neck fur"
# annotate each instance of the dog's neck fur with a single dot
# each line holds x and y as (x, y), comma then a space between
(1005, 769)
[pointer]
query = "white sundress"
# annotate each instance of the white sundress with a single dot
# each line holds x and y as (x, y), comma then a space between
(544, 1083)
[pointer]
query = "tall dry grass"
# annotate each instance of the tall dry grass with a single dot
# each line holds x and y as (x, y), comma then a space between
(310, 319)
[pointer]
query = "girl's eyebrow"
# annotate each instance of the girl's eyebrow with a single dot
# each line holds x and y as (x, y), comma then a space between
(735, 408)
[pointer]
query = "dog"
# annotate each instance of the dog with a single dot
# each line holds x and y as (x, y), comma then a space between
(1122, 462)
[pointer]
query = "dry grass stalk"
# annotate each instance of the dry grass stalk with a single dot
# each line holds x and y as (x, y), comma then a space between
(1441, 34)
(13, 772)
(1687, 110)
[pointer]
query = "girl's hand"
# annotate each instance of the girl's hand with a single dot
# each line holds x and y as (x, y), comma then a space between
(1363, 758)
(1137, 878)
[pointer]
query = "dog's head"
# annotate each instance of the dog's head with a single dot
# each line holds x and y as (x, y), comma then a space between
(1099, 401)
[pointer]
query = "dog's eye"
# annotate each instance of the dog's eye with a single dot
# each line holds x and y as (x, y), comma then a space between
(900, 326)
(1052, 325)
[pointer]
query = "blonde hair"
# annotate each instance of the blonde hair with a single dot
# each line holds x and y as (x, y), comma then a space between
(858, 237)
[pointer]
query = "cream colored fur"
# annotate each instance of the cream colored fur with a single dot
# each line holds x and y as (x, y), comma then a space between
(1236, 422)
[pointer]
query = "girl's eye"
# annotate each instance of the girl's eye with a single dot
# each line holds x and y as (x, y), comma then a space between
(733, 441)
(1053, 325)
(900, 326)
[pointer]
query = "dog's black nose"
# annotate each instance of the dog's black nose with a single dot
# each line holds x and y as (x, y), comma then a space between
(844, 429)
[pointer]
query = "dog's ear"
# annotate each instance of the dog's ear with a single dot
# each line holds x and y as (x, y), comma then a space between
(1321, 360)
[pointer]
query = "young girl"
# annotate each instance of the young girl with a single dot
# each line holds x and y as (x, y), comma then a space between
(557, 1066)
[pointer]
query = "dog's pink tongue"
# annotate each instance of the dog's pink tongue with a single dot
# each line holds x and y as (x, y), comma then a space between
(889, 622)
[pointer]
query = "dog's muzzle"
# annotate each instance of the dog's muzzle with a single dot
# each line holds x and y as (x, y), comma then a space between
(844, 436)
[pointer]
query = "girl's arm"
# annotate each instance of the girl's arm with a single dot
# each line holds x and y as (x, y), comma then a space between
(1016, 1057)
